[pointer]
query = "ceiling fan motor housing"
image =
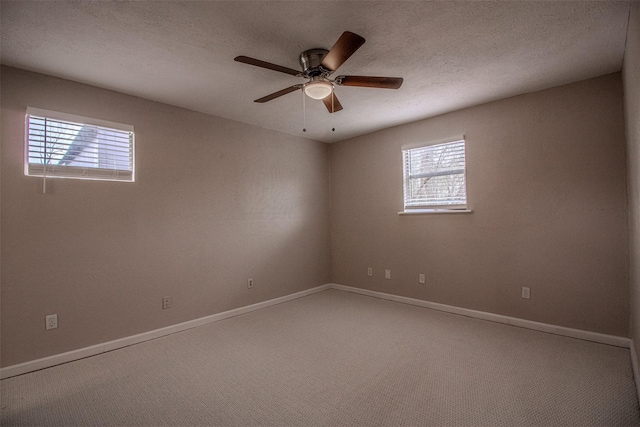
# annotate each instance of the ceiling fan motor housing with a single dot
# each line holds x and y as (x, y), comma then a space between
(311, 61)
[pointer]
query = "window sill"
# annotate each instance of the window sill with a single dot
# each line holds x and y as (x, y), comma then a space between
(435, 211)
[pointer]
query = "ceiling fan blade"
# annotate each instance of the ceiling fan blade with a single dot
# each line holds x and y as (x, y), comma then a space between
(346, 45)
(334, 105)
(278, 93)
(267, 65)
(364, 81)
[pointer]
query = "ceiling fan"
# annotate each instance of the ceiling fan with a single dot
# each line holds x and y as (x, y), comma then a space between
(317, 65)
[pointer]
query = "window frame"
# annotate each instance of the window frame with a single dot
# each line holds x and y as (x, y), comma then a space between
(42, 170)
(433, 208)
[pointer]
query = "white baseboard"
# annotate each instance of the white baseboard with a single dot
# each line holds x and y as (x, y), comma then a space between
(514, 321)
(634, 366)
(81, 353)
(57, 359)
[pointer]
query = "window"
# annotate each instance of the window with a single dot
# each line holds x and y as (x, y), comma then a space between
(434, 176)
(60, 145)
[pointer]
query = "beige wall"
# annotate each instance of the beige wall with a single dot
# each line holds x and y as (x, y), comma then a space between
(214, 203)
(546, 181)
(631, 79)
(217, 201)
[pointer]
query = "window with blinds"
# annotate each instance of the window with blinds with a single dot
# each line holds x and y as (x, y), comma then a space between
(60, 145)
(434, 176)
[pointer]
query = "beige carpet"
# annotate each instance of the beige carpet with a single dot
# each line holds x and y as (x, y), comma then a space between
(336, 358)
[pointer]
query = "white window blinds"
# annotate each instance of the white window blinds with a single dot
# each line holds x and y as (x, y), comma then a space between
(434, 176)
(65, 146)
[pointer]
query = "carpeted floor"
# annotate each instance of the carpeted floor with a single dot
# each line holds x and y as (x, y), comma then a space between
(336, 359)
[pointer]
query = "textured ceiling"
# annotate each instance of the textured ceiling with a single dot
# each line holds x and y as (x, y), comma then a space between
(451, 54)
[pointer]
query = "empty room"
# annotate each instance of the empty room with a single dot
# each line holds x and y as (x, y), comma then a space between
(354, 213)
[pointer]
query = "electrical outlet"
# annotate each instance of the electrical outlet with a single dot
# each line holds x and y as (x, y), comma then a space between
(166, 302)
(369, 271)
(421, 279)
(250, 283)
(51, 321)
(526, 292)
(387, 274)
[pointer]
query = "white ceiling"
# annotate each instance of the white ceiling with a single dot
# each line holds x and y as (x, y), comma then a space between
(451, 54)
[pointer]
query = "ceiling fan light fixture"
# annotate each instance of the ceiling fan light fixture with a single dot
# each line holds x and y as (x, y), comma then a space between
(318, 89)
(317, 65)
